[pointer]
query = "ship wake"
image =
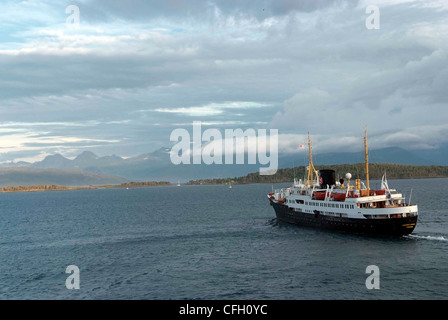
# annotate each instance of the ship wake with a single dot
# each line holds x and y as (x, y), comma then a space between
(434, 238)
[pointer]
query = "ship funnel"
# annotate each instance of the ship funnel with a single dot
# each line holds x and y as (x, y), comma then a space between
(327, 178)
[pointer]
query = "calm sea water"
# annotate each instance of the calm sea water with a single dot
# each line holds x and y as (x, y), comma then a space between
(209, 242)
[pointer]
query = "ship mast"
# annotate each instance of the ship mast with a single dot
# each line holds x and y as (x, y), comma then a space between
(311, 168)
(366, 152)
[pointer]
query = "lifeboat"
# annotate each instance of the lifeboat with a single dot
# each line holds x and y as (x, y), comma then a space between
(319, 195)
(339, 196)
(377, 192)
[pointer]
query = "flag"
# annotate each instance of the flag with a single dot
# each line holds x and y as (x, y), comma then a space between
(301, 146)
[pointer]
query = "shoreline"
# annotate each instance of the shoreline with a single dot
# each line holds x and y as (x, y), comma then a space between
(39, 188)
(55, 187)
(284, 175)
(290, 181)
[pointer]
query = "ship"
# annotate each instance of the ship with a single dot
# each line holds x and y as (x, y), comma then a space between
(322, 202)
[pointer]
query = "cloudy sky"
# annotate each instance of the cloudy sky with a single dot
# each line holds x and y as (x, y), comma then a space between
(132, 71)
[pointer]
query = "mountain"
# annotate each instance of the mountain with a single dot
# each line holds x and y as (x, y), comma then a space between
(84, 160)
(27, 176)
(86, 156)
(157, 166)
(56, 161)
(438, 156)
(153, 166)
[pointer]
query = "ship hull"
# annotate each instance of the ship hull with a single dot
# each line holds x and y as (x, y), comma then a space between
(382, 227)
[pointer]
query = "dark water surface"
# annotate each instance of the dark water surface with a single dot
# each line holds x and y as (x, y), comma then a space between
(209, 242)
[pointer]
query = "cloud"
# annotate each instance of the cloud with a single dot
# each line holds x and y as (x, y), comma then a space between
(391, 83)
(213, 109)
(132, 72)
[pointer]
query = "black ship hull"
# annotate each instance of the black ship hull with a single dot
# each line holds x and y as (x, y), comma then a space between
(381, 227)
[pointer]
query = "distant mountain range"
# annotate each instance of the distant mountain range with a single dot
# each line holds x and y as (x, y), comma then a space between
(157, 166)
(28, 176)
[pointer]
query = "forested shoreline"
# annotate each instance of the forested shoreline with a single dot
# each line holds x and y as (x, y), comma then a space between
(376, 171)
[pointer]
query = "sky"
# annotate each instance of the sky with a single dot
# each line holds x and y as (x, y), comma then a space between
(130, 72)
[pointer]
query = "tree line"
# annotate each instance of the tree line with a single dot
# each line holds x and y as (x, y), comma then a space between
(376, 171)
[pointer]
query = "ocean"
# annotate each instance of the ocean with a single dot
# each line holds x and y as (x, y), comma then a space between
(209, 242)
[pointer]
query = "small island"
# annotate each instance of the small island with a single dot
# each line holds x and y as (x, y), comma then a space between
(55, 187)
